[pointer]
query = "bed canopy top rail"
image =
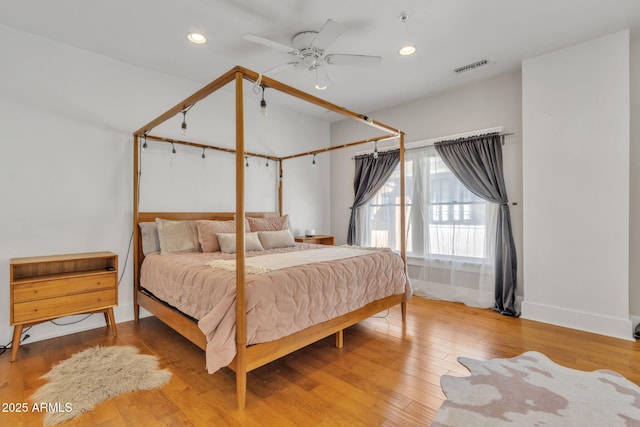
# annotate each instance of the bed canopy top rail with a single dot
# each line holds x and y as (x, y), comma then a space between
(274, 84)
(208, 147)
(267, 156)
(253, 76)
(338, 147)
(218, 83)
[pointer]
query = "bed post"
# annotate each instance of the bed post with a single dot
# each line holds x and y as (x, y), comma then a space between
(280, 187)
(136, 235)
(403, 225)
(241, 324)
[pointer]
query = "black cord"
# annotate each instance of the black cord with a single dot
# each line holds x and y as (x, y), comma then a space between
(72, 323)
(126, 259)
(124, 268)
(7, 346)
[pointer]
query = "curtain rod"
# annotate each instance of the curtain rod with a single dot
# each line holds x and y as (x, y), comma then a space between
(429, 142)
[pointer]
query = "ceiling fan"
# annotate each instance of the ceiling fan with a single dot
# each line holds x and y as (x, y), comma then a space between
(308, 47)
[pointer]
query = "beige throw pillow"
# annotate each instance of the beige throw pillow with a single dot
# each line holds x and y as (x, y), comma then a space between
(228, 242)
(276, 239)
(177, 236)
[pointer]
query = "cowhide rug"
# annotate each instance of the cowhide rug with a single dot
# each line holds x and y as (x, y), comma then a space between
(531, 390)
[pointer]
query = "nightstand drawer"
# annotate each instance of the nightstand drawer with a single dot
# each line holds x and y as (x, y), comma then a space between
(70, 304)
(68, 286)
(320, 239)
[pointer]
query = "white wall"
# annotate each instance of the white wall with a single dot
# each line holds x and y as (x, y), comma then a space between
(66, 165)
(576, 186)
(492, 102)
(186, 181)
(634, 181)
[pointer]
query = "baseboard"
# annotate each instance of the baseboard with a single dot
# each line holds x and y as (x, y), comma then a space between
(518, 303)
(617, 327)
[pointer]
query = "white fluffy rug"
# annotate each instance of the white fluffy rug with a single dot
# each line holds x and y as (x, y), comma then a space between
(531, 390)
(78, 384)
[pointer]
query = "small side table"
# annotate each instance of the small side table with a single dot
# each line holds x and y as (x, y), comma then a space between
(47, 287)
(319, 239)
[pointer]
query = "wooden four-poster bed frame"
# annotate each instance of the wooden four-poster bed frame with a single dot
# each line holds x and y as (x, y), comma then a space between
(250, 357)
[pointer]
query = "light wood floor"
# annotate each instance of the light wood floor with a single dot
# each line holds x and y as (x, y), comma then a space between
(387, 374)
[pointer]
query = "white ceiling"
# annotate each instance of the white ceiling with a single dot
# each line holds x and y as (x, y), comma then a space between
(447, 34)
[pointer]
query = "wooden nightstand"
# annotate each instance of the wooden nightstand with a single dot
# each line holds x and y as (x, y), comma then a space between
(320, 239)
(47, 287)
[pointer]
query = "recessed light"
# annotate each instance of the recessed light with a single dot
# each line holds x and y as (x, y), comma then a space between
(407, 50)
(196, 38)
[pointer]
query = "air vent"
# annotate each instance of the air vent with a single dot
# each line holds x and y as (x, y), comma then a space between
(470, 67)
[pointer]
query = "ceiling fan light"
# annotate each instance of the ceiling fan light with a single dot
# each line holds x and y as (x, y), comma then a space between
(196, 38)
(407, 50)
(322, 79)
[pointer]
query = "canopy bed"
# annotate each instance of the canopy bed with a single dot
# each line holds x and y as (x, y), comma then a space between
(366, 282)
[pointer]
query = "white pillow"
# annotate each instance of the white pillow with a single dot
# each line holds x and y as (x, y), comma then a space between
(227, 242)
(276, 239)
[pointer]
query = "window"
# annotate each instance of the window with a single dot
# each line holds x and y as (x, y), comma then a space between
(381, 222)
(444, 220)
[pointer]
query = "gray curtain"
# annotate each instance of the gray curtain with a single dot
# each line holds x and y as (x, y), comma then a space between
(371, 174)
(477, 163)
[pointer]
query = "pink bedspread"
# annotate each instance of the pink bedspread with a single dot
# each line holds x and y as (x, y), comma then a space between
(279, 302)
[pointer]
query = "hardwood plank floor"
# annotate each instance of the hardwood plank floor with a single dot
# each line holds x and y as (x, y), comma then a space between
(387, 374)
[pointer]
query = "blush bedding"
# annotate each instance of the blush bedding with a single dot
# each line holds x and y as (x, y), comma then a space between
(278, 302)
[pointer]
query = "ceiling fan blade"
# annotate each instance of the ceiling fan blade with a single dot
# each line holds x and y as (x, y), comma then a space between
(353, 60)
(280, 68)
(270, 43)
(329, 32)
